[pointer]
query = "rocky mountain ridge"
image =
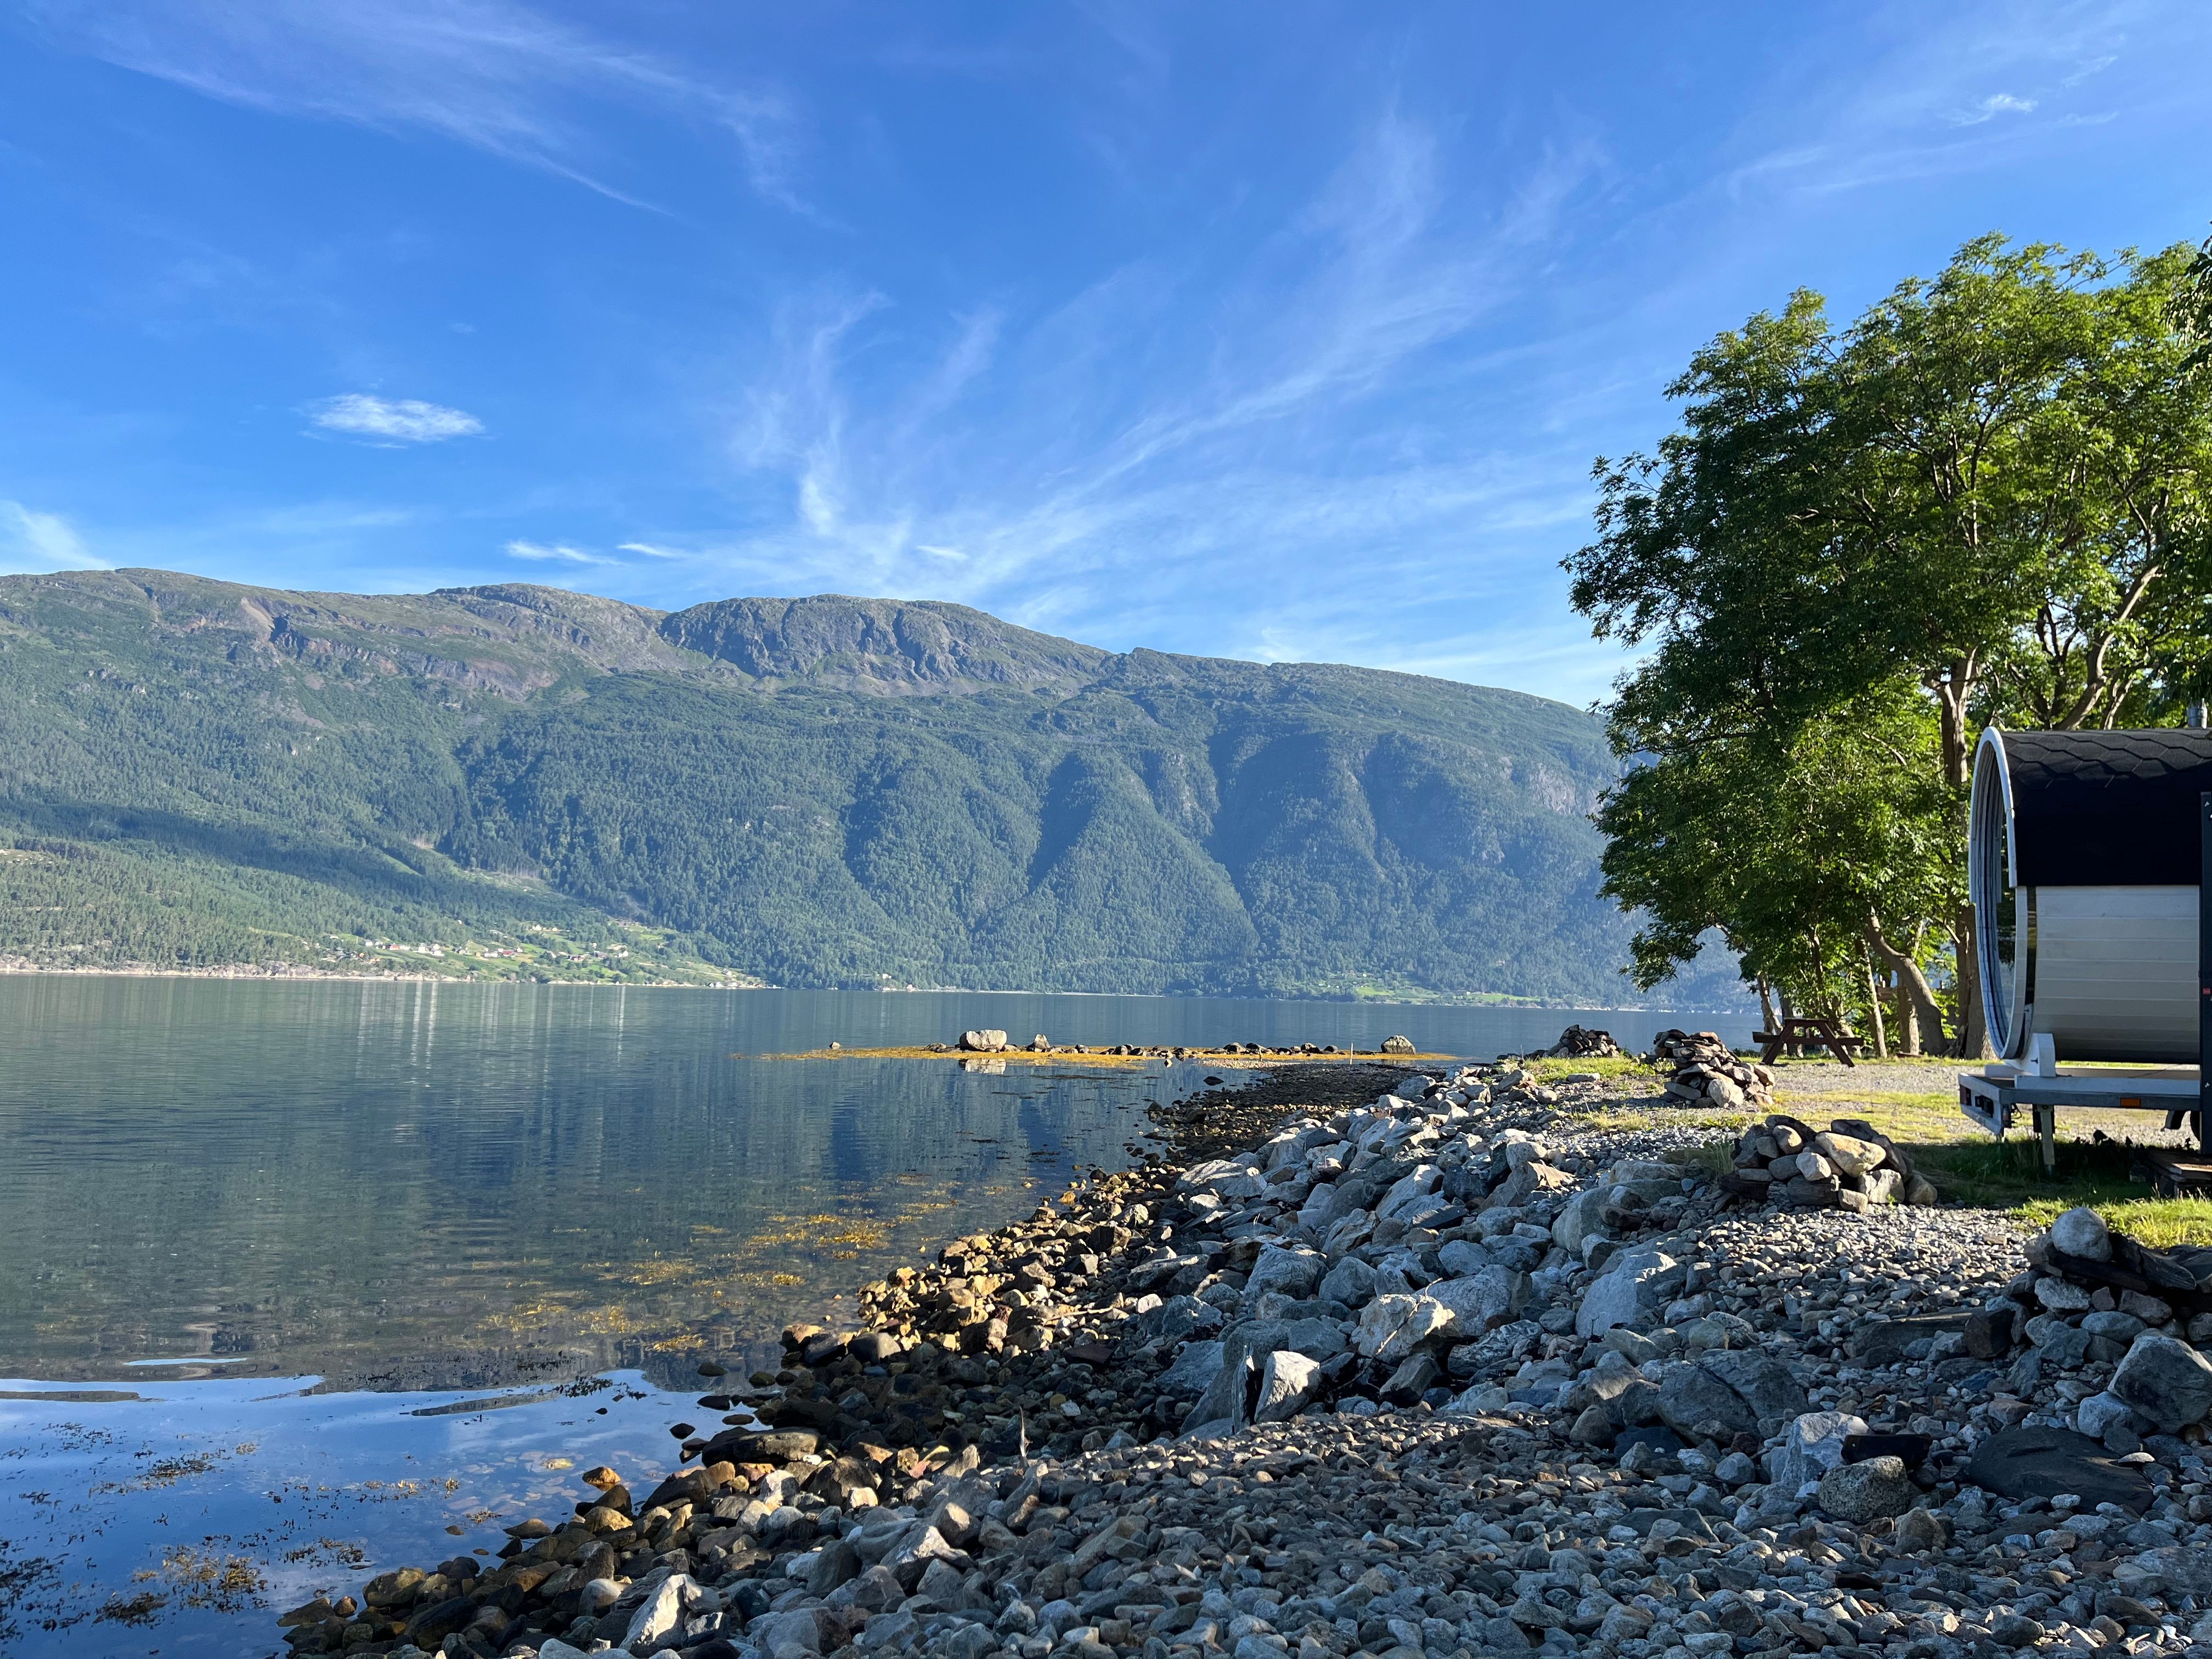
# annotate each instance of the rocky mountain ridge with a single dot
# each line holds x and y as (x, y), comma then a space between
(824, 791)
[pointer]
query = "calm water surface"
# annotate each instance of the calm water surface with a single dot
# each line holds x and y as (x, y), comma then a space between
(405, 1183)
(225, 1191)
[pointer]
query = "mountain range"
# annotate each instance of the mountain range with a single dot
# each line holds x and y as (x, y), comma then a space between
(806, 791)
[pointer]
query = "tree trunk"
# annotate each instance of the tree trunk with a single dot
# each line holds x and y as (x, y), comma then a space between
(1954, 688)
(1908, 1020)
(1874, 1010)
(1766, 1004)
(1913, 984)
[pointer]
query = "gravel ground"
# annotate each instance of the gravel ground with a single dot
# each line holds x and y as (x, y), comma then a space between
(1825, 1076)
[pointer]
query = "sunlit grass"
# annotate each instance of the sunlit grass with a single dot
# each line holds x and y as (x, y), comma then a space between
(1613, 1119)
(1620, 1066)
(2159, 1222)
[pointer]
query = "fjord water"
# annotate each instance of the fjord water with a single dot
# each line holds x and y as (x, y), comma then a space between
(397, 1181)
(458, 1196)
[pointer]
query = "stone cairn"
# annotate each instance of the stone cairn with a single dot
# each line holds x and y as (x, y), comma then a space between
(1579, 1043)
(1850, 1166)
(1706, 1072)
(2118, 1332)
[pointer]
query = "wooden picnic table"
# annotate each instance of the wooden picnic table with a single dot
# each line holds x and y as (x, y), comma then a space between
(1800, 1032)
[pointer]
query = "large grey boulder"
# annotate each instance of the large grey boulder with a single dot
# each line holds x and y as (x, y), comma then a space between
(1315, 1338)
(1581, 1217)
(1763, 1382)
(1351, 1282)
(1176, 1319)
(1291, 1270)
(1462, 1256)
(1690, 1396)
(1193, 1370)
(1319, 1209)
(1859, 1492)
(1529, 1180)
(1391, 1327)
(1407, 1191)
(2061, 1296)
(2082, 1231)
(662, 1612)
(1292, 1144)
(1486, 1297)
(1741, 1389)
(2101, 1412)
(1287, 1384)
(1226, 1177)
(812, 1630)
(837, 1563)
(2169, 1570)
(916, 1548)
(1642, 1281)
(2164, 1380)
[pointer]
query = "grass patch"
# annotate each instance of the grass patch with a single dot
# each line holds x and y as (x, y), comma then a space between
(1620, 1066)
(1662, 1117)
(2009, 1175)
(1917, 1118)
(1943, 1101)
(1714, 1158)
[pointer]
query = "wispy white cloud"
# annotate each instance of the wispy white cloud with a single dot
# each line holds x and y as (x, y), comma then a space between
(651, 551)
(1114, 454)
(31, 541)
(1920, 107)
(1996, 104)
(493, 74)
(558, 551)
(393, 421)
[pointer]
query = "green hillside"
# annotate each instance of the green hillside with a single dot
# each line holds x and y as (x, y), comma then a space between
(812, 792)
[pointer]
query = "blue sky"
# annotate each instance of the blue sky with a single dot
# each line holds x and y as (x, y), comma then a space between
(1282, 331)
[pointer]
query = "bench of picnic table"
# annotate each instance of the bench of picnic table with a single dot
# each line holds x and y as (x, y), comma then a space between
(1799, 1033)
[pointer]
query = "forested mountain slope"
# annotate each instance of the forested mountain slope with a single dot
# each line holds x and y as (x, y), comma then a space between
(816, 792)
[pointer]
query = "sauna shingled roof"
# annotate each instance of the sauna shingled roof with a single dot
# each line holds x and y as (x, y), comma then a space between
(2098, 809)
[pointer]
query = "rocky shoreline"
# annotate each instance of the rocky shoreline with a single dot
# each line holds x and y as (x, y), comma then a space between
(1377, 1360)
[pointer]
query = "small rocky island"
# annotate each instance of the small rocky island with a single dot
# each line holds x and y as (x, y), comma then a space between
(1413, 1362)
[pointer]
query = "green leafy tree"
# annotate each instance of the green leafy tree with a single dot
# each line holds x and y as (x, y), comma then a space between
(1989, 490)
(1814, 857)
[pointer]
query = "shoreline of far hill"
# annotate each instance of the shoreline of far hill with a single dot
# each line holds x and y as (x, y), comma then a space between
(24, 967)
